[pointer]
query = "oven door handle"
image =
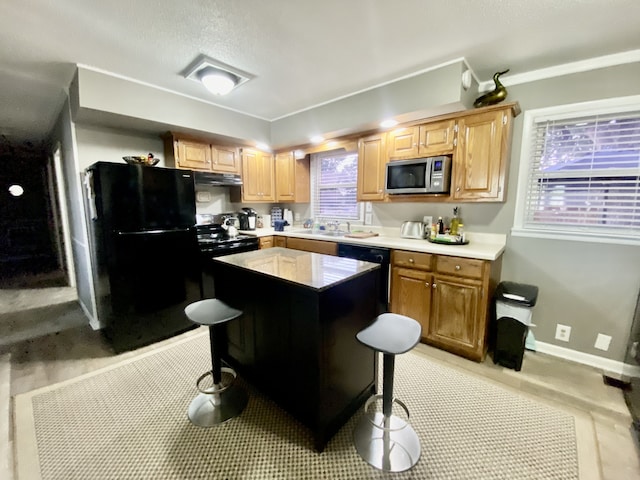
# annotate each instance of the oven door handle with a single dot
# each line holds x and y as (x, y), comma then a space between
(154, 232)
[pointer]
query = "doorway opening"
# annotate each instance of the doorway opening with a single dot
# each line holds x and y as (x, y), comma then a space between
(32, 244)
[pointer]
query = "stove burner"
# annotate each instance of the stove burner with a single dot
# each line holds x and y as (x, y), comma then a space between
(213, 240)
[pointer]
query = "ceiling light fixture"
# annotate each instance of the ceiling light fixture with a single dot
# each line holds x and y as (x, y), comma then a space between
(217, 81)
(217, 77)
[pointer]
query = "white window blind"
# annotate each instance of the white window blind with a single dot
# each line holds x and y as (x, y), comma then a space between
(584, 174)
(335, 177)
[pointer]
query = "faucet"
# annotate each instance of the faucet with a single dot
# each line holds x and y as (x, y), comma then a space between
(348, 227)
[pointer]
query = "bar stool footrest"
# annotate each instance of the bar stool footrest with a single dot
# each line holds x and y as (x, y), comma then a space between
(388, 443)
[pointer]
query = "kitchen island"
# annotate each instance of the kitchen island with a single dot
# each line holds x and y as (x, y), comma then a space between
(296, 338)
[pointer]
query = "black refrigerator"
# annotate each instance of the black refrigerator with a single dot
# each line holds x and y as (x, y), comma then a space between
(144, 251)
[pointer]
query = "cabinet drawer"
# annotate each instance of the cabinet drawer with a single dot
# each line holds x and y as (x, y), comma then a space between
(466, 267)
(403, 258)
(315, 246)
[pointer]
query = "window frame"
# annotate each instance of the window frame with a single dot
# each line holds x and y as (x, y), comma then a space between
(560, 112)
(315, 158)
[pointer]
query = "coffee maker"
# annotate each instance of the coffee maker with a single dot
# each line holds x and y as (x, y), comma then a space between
(247, 218)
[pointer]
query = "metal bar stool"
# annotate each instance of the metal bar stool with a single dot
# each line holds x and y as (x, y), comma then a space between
(383, 439)
(224, 400)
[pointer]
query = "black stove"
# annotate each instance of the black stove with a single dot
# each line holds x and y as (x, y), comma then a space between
(214, 241)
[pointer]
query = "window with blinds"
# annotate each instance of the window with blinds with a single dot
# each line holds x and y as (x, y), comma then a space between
(334, 179)
(583, 173)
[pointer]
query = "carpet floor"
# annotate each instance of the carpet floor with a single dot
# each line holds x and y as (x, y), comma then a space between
(128, 421)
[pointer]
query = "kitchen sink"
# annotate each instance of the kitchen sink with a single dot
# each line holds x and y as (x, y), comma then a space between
(326, 233)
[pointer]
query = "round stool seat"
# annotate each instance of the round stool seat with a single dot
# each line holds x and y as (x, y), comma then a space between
(210, 312)
(391, 333)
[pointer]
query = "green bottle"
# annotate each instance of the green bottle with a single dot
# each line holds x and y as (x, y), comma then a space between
(455, 221)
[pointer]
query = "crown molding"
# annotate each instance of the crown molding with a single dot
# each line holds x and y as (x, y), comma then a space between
(595, 63)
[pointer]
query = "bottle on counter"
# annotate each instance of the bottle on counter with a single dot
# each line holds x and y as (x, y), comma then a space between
(440, 226)
(455, 222)
(434, 230)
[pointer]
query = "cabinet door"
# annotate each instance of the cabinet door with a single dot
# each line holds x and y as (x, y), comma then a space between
(285, 177)
(266, 242)
(257, 176)
(480, 157)
(372, 160)
(225, 159)
(267, 180)
(194, 155)
(411, 295)
(436, 138)
(403, 143)
(455, 322)
(279, 241)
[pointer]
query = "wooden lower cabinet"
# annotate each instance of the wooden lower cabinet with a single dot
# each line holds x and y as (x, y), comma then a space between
(265, 242)
(315, 246)
(449, 296)
(411, 294)
(279, 241)
(457, 322)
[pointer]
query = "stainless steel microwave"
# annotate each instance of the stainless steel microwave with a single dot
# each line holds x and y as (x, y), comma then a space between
(420, 175)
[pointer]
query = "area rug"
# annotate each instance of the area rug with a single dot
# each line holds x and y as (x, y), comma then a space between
(128, 421)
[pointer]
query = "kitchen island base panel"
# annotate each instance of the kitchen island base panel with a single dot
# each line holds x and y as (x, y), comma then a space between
(297, 345)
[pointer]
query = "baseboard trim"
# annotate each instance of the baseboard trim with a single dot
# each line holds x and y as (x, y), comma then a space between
(610, 367)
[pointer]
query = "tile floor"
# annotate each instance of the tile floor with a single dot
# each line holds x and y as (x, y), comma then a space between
(50, 349)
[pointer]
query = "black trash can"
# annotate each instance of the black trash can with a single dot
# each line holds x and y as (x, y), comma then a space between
(513, 302)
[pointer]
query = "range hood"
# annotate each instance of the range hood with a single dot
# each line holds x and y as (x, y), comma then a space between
(217, 179)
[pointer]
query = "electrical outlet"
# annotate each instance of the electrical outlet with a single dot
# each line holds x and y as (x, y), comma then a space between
(563, 332)
(367, 219)
(603, 342)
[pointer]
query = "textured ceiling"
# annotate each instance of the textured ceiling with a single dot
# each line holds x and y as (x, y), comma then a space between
(302, 52)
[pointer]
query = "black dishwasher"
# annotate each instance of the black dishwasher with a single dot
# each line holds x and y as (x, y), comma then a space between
(374, 255)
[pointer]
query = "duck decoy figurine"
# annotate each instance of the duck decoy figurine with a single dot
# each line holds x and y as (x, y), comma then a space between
(497, 95)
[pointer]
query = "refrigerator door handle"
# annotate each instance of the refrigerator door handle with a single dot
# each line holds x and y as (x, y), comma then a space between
(91, 195)
(155, 232)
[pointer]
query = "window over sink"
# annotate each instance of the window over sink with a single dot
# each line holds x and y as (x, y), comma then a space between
(334, 178)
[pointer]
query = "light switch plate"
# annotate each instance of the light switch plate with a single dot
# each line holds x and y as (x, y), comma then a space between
(603, 342)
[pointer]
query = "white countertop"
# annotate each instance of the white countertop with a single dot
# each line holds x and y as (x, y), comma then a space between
(484, 246)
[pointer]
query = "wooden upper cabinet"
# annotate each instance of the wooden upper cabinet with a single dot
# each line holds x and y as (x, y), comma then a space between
(402, 143)
(285, 177)
(481, 157)
(227, 159)
(292, 178)
(436, 138)
(193, 155)
(426, 140)
(200, 155)
(372, 159)
(258, 184)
